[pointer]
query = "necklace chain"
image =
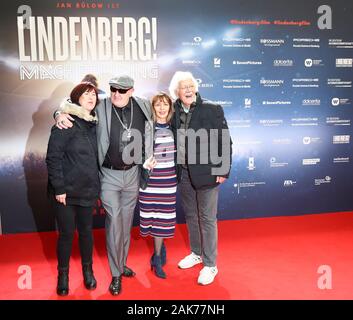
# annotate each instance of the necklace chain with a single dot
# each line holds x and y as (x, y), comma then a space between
(124, 126)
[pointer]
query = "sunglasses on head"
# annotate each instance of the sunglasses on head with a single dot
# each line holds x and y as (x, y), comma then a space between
(122, 91)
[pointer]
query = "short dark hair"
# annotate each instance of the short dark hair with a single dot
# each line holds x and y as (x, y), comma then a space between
(162, 96)
(81, 88)
(90, 78)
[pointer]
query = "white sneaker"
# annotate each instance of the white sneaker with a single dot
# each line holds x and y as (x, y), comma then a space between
(189, 261)
(207, 275)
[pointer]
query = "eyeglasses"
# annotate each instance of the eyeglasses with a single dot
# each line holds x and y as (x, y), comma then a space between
(187, 87)
(121, 91)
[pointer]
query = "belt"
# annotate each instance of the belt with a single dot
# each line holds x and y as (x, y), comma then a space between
(125, 167)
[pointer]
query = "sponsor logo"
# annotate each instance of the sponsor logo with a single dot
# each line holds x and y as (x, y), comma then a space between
(308, 63)
(339, 83)
(247, 103)
(337, 121)
(309, 121)
(237, 62)
(305, 82)
(311, 162)
(344, 63)
(272, 42)
(339, 102)
(311, 102)
(271, 122)
(341, 160)
(281, 141)
(217, 62)
(335, 102)
(312, 63)
(191, 62)
(254, 184)
(309, 140)
(223, 103)
(241, 123)
(276, 102)
(283, 63)
(271, 83)
(289, 183)
(340, 44)
(275, 164)
(326, 180)
(341, 139)
(251, 164)
(248, 142)
(236, 83)
(230, 42)
(306, 43)
(203, 84)
(196, 41)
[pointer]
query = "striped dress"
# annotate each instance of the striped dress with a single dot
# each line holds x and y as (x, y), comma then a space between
(158, 201)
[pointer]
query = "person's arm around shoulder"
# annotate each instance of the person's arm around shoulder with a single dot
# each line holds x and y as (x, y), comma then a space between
(62, 119)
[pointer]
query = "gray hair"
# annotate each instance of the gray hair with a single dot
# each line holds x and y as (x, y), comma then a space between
(177, 78)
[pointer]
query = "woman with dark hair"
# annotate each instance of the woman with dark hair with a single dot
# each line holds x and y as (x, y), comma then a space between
(157, 197)
(74, 182)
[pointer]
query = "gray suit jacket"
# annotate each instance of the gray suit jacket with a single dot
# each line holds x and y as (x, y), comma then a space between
(104, 112)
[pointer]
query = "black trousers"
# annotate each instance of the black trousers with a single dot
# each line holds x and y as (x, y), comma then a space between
(68, 217)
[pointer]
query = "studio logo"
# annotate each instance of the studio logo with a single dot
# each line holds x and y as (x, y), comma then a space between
(335, 102)
(306, 140)
(308, 63)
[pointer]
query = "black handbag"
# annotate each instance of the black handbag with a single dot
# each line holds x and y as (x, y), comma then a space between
(144, 178)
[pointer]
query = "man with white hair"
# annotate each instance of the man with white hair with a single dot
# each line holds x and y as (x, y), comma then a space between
(198, 172)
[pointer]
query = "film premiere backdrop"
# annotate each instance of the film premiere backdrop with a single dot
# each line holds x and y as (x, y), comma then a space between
(282, 70)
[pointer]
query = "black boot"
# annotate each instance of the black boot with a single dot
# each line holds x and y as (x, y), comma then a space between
(62, 288)
(163, 254)
(88, 276)
(156, 266)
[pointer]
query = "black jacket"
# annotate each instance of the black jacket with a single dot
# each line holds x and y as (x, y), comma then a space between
(72, 160)
(207, 116)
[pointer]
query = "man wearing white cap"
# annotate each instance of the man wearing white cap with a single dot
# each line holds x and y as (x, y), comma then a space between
(120, 116)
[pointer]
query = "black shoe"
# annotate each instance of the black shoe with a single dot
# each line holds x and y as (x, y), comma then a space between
(128, 272)
(156, 266)
(88, 277)
(115, 286)
(62, 288)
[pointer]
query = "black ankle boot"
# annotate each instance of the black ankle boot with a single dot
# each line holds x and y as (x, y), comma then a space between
(62, 288)
(163, 254)
(88, 277)
(156, 266)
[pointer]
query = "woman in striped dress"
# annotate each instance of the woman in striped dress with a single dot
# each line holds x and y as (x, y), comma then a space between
(158, 200)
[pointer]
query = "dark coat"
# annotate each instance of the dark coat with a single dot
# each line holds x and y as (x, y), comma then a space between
(72, 160)
(207, 116)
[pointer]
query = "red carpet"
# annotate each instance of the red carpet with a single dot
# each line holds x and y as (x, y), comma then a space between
(267, 258)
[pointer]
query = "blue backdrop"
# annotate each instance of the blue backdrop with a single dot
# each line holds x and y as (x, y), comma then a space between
(282, 70)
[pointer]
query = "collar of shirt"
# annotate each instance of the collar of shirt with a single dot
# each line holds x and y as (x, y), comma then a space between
(185, 108)
(127, 107)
